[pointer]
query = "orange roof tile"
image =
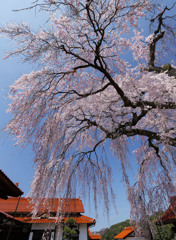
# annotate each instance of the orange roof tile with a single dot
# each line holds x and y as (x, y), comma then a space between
(124, 233)
(170, 214)
(79, 219)
(72, 205)
(37, 220)
(82, 219)
(93, 236)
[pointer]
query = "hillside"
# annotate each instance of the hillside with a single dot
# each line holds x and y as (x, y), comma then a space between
(109, 233)
(165, 232)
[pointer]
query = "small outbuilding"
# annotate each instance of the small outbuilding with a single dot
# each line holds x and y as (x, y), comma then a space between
(125, 234)
(128, 234)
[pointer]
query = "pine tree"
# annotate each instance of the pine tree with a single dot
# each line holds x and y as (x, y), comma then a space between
(70, 231)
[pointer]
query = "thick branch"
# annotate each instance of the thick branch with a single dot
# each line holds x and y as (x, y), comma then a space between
(159, 34)
(152, 49)
(83, 95)
(149, 134)
(126, 100)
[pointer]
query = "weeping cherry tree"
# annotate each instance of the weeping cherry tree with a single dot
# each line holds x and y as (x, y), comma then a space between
(101, 83)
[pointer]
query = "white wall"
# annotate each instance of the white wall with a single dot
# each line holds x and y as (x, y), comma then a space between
(43, 226)
(83, 232)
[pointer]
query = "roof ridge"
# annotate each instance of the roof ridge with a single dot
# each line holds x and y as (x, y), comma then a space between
(70, 205)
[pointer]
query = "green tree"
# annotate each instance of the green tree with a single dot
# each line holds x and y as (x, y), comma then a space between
(70, 231)
(109, 234)
(164, 232)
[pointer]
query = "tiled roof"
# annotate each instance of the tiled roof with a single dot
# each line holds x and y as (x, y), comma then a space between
(93, 236)
(72, 205)
(7, 187)
(82, 219)
(37, 220)
(124, 233)
(79, 219)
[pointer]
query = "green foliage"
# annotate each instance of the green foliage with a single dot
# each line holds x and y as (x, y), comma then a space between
(70, 231)
(167, 67)
(110, 233)
(73, 232)
(71, 221)
(66, 229)
(164, 232)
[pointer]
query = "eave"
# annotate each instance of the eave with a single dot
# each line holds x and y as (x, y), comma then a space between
(7, 187)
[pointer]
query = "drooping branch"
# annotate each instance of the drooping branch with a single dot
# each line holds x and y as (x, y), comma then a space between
(87, 97)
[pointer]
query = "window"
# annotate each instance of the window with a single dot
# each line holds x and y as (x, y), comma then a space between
(43, 235)
(37, 235)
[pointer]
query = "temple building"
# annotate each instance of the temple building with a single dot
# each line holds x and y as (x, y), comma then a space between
(48, 221)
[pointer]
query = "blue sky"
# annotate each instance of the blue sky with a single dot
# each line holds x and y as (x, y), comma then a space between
(17, 162)
(14, 161)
